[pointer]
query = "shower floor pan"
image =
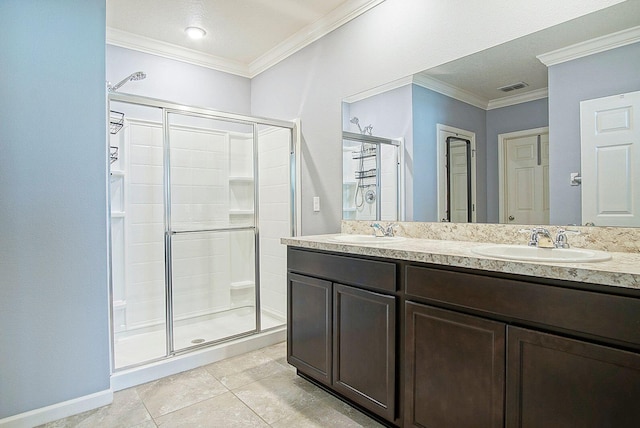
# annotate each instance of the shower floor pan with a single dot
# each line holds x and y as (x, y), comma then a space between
(135, 349)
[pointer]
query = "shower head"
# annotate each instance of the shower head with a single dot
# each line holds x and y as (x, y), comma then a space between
(138, 75)
(356, 122)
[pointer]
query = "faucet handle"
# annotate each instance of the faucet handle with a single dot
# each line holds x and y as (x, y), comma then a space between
(533, 236)
(377, 229)
(561, 237)
(391, 229)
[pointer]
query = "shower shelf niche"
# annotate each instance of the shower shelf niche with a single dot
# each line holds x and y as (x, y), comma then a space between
(241, 285)
(241, 191)
(240, 212)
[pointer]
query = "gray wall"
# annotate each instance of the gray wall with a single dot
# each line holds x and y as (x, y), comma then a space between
(54, 337)
(53, 289)
(391, 117)
(393, 40)
(608, 73)
(429, 109)
(529, 115)
(178, 81)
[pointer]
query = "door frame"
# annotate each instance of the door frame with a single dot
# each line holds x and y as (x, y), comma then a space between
(502, 182)
(441, 177)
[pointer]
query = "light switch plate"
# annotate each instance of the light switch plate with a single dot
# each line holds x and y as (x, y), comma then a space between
(316, 203)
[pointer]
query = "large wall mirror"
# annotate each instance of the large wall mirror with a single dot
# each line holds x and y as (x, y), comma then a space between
(495, 137)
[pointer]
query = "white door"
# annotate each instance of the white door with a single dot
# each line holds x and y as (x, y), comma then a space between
(610, 162)
(458, 180)
(525, 178)
(460, 197)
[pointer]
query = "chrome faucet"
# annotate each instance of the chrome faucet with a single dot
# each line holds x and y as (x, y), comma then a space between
(379, 230)
(541, 238)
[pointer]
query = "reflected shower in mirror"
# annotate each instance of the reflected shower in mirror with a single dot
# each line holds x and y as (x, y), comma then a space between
(371, 178)
(532, 86)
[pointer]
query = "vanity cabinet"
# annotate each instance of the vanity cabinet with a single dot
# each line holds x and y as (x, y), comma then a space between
(432, 346)
(489, 351)
(310, 326)
(342, 326)
(454, 368)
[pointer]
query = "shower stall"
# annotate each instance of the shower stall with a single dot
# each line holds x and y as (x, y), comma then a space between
(372, 177)
(199, 202)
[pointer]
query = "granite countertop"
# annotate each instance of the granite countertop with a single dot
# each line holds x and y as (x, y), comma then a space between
(623, 270)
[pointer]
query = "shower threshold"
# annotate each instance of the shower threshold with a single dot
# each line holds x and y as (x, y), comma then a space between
(133, 349)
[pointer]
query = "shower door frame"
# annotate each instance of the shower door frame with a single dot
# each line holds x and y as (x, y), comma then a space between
(167, 108)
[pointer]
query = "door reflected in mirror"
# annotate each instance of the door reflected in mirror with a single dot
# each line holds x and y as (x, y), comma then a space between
(523, 176)
(533, 82)
(456, 153)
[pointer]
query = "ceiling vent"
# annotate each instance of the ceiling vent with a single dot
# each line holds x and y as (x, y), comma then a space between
(513, 87)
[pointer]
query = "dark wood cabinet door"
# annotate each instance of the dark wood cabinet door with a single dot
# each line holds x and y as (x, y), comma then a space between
(454, 369)
(554, 381)
(309, 332)
(364, 348)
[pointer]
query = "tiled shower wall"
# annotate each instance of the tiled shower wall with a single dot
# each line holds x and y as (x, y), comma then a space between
(388, 192)
(275, 212)
(199, 200)
(212, 185)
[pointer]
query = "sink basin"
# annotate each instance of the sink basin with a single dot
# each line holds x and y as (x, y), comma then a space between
(534, 254)
(367, 239)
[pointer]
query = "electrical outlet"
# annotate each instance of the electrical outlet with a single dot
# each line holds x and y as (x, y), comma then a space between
(316, 203)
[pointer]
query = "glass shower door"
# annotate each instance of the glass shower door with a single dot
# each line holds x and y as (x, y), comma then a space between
(211, 229)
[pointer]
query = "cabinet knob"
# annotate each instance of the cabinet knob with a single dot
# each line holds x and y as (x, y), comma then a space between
(511, 218)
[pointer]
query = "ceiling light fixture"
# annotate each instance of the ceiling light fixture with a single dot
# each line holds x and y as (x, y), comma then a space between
(195, 32)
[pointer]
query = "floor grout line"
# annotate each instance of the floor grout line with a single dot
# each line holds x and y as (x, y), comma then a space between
(270, 393)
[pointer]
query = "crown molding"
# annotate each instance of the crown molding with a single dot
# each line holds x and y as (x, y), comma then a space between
(336, 18)
(538, 94)
(590, 47)
(128, 40)
(296, 42)
(451, 91)
(379, 90)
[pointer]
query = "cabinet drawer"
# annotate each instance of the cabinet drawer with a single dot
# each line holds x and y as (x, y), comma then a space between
(603, 316)
(370, 274)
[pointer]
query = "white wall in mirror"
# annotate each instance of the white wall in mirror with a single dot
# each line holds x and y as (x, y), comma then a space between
(395, 39)
(605, 69)
(603, 74)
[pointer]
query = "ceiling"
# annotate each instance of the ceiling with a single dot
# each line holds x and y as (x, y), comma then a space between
(479, 75)
(243, 37)
(246, 37)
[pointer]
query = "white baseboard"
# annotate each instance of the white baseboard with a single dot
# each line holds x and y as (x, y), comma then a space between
(58, 411)
(170, 366)
(140, 375)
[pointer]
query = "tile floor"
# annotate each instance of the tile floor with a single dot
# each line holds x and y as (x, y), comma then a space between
(257, 389)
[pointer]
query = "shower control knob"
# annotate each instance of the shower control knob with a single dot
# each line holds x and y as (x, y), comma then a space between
(370, 196)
